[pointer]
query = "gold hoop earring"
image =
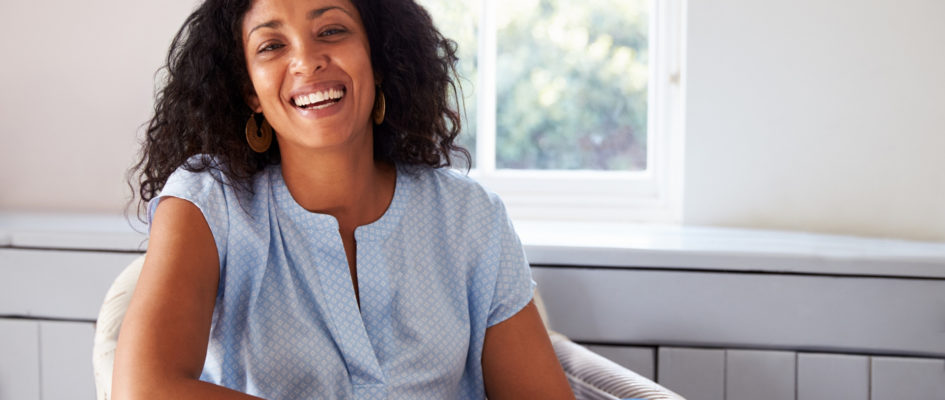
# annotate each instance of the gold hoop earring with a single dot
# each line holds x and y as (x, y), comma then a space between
(380, 107)
(258, 137)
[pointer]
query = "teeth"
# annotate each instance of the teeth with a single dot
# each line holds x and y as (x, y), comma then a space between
(312, 98)
(321, 106)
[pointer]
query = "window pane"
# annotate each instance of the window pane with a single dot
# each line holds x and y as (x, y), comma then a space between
(572, 84)
(459, 21)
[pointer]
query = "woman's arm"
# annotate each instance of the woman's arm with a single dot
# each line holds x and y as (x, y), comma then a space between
(518, 361)
(163, 340)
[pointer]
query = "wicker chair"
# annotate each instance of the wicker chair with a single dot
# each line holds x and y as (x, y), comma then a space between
(590, 375)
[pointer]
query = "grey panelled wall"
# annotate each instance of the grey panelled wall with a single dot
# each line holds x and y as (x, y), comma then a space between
(19, 363)
(716, 374)
(693, 373)
(723, 335)
(753, 375)
(26, 287)
(62, 344)
(49, 300)
(907, 378)
(833, 376)
(848, 314)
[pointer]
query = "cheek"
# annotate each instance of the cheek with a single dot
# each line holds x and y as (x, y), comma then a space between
(365, 76)
(264, 83)
(367, 93)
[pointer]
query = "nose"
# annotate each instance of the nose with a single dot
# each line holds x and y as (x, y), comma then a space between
(308, 59)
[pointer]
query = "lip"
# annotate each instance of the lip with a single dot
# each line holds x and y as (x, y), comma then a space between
(317, 87)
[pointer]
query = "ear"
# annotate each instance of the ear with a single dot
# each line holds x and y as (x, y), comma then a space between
(252, 100)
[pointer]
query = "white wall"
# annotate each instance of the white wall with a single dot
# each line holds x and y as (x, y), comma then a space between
(76, 84)
(801, 114)
(817, 115)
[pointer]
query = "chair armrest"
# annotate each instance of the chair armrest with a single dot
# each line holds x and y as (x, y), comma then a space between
(594, 377)
(108, 326)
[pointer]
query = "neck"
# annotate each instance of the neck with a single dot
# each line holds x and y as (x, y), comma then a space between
(345, 182)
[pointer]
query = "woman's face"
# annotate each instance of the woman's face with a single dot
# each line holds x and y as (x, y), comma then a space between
(310, 66)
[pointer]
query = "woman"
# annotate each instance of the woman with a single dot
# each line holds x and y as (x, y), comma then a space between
(335, 259)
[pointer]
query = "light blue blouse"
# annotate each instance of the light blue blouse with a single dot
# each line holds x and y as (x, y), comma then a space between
(438, 268)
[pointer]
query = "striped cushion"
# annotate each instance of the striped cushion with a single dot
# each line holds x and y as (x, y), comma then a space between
(594, 377)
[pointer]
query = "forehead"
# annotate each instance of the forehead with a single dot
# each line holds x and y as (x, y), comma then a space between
(265, 11)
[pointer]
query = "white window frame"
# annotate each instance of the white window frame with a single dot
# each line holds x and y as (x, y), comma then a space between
(653, 195)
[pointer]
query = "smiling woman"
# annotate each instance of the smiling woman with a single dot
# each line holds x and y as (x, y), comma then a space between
(305, 241)
(319, 58)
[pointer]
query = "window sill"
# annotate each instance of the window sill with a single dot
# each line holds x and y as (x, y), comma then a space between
(606, 245)
(621, 245)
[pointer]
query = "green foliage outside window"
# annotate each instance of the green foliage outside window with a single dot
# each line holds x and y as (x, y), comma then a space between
(459, 21)
(571, 80)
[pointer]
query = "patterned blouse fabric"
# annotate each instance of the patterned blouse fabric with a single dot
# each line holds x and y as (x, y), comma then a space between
(438, 268)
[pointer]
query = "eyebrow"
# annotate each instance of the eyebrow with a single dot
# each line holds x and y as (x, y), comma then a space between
(319, 11)
(309, 16)
(270, 24)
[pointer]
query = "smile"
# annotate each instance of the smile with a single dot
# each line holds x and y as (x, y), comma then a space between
(318, 100)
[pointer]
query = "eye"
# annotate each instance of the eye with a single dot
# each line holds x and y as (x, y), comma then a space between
(270, 46)
(332, 31)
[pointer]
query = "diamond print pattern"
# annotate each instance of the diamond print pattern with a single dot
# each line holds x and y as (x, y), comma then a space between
(440, 266)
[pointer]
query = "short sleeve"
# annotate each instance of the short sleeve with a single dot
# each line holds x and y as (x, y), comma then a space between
(205, 191)
(514, 286)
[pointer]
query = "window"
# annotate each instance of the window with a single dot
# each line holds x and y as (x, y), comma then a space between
(572, 106)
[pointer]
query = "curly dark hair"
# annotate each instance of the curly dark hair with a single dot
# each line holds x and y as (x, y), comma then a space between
(201, 108)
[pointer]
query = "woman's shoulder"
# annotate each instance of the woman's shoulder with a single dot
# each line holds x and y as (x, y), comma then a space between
(201, 181)
(452, 196)
(203, 173)
(449, 184)
(195, 175)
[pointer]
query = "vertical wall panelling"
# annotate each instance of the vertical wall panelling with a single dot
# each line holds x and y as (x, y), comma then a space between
(839, 314)
(27, 287)
(753, 375)
(693, 373)
(637, 359)
(908, 378)
(832, 376)
(67, 360)
(19, 360)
